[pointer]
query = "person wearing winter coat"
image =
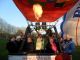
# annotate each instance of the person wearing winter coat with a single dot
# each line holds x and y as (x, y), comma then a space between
(68, 45)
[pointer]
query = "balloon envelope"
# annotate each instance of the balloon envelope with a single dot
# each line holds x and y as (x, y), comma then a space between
(71, 23)
(51, 11)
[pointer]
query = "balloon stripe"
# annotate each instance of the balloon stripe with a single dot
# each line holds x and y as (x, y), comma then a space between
(62, 24)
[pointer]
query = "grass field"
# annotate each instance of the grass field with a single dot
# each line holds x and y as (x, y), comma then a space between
(4, 53)
(76, 55)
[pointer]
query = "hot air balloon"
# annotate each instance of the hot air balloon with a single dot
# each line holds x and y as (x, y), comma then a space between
(71, 23)
(44, 10)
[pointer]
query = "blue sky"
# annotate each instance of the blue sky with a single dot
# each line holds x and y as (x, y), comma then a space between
(10, 13)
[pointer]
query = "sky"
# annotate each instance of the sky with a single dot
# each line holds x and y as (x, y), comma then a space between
(10, 13)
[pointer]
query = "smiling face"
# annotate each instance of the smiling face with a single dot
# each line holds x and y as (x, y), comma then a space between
(29, 39)
(13, 39)
(68, 37)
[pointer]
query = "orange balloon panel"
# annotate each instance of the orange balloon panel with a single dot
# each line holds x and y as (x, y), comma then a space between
(49, 11)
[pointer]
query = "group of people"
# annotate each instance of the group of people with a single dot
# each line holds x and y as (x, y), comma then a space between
(40, 44)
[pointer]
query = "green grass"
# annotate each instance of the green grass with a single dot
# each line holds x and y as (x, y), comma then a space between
(4, 53)
(76, 55)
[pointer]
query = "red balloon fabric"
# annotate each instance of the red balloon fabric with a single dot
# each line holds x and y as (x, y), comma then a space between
(59, 57)
(63, 56)
(50, 10)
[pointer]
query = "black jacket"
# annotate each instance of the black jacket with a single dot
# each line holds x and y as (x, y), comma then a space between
(11, 47)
